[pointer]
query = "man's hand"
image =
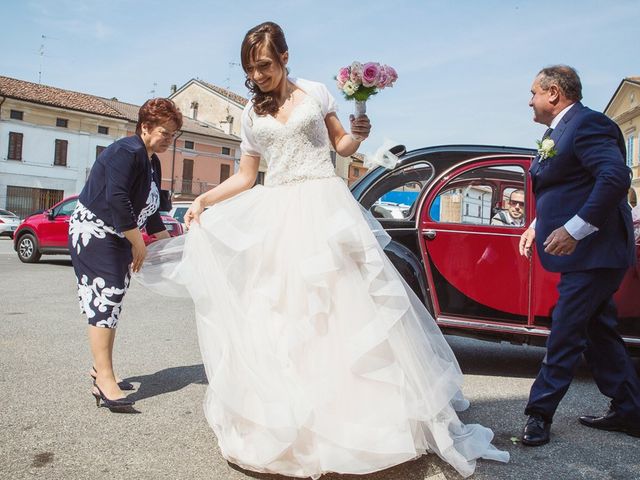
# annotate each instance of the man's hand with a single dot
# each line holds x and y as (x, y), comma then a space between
(560, 243)
(526, 242)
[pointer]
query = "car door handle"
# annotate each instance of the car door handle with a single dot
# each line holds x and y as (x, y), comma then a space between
(429, 234)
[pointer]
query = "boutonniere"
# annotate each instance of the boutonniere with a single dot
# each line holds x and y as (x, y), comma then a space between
(546, 148)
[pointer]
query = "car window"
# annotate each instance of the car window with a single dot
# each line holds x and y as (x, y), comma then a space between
(394, 196)
(7, 213)
(179, 213)
(66, 208)
(482, 197)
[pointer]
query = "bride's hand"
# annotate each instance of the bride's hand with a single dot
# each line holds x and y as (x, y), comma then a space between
(360, 127)
(193, 213)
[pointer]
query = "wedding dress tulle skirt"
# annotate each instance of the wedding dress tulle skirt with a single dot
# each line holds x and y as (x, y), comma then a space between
(319, 357)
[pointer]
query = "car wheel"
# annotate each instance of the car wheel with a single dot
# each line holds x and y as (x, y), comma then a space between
(28, 249)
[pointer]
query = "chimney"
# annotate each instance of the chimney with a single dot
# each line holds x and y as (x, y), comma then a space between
(194, 110)
(229, 125)
(173, 89)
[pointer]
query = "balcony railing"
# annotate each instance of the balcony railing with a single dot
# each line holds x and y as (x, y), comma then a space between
(187, 187)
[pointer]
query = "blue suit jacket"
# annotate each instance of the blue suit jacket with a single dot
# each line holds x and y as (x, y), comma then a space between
(588, 176)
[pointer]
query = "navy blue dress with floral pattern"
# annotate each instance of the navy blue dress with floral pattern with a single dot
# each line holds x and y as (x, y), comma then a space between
(121, 193)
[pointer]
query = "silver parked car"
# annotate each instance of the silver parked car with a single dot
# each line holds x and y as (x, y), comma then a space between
(9, 221)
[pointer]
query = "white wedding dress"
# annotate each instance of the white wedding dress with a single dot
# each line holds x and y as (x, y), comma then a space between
(319, 357)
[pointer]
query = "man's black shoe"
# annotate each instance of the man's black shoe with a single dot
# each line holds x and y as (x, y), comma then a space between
(536, 431)
(612, 422)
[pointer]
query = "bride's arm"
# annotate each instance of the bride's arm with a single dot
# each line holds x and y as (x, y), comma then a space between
(240, 181)
(343, 143)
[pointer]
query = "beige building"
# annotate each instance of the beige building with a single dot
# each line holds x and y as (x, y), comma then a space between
(211, 104)
(624, 109)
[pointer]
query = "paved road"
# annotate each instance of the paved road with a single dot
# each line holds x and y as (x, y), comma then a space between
(50, 427)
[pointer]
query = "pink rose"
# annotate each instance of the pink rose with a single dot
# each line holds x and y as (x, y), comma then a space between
(370, 74)
(356, 73)
(393, 75)
(383, 79)
(343, 75)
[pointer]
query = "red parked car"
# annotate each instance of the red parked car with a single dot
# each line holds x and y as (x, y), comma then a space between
(48, 232)
(437, 205)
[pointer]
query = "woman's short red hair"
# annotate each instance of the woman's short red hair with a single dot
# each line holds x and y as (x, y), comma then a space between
(157, 111)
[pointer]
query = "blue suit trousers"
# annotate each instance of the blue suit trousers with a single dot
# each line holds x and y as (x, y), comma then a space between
(584, 321)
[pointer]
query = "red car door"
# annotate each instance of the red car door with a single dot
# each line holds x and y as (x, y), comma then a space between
(476, 275)
(54, 231)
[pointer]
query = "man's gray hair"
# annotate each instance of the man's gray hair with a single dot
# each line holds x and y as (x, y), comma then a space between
(565, 78)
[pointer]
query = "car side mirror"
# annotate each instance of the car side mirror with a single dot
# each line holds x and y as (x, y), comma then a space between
(50, 215)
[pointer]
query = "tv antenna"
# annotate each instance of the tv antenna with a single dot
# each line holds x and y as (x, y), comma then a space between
(41, 53)
(228, 84)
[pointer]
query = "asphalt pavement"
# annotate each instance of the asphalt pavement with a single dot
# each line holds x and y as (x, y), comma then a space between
(51, 429)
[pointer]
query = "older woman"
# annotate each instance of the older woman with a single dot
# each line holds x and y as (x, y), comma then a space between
(121, 196)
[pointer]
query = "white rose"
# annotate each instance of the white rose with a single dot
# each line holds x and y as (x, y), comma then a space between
(349, 87)
(547, 145)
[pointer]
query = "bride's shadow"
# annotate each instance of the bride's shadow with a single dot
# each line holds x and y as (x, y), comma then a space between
(167, 380)
(427, 466)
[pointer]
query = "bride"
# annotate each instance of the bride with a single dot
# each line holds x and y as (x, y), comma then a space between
(319, 358)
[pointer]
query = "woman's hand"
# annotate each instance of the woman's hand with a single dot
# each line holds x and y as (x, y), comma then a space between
(193, 213)
(139, 252)
(360, 127)
(138, 248)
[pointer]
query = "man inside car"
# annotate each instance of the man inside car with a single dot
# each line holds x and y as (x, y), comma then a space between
(513, 215)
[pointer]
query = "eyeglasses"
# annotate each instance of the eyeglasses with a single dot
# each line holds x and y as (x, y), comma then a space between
(516, 203)
(170, 135)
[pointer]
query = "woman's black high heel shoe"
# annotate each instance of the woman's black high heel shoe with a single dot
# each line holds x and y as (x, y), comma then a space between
(122, 384)
(119, 405)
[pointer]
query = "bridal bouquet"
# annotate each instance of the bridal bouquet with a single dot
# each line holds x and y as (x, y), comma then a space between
(359, 81)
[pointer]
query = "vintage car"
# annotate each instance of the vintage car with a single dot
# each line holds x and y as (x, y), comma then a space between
(468, 272)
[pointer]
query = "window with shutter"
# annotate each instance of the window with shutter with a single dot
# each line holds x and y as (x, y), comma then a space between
(15, 146)
(60, 157)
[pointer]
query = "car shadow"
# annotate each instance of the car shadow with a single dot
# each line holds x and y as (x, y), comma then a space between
(167, 380)
(56, 261)
(478, 357)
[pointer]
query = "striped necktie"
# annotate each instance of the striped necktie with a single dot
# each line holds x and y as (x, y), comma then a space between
(547, 133)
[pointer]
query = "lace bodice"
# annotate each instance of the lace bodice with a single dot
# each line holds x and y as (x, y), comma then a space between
(297, 150)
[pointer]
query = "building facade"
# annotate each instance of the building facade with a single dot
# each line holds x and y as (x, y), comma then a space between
(624, 109)
(50, 138)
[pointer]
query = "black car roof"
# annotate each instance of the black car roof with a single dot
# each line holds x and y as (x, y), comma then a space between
(441, 157)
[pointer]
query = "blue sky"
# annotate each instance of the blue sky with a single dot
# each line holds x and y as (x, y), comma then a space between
(465, 67)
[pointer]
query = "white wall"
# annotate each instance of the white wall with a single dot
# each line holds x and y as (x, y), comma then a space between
(36, 170)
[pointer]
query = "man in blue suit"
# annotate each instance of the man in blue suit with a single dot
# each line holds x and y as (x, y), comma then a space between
(584, 231)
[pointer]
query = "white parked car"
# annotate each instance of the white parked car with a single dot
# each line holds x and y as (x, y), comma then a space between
(382, 209)
(179, 208)
(9, 221)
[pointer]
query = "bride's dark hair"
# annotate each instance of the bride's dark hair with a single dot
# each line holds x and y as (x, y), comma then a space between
(271, 35)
